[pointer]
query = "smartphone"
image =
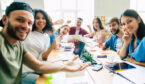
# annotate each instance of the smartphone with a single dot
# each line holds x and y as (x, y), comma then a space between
(101, 56)
(67, 48)
(97, 67)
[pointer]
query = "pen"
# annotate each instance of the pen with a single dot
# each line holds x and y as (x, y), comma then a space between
(112, 71)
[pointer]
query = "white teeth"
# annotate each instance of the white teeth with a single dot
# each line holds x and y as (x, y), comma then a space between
(40, 24)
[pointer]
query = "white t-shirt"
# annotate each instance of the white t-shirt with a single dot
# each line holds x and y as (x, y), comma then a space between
(77, 32)
(99, 36)
(36, 43)
(119, 44)
(1, 28)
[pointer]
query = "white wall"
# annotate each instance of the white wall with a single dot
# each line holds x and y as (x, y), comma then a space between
(0, 11)
(35, 4)
(110, 8)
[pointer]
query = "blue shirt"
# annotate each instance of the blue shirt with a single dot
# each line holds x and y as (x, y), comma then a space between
(111, 43)
(139, 52)
(52, 37)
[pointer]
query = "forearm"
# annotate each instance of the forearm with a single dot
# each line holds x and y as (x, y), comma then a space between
(46, 54)
(90, 30)
(140, 63)
(49, 67)
(123, 50)
(91, 34)
(42, 66)
(129, 59)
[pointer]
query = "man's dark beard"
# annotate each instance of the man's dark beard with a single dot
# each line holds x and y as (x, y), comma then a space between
(12, 31)
(117, 31)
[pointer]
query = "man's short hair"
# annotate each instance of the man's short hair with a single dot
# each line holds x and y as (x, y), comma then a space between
(80, 19)
(18, 6)
(114, 19)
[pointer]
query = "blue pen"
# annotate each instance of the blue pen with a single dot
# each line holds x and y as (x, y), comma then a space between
(112, 71)
(129, 34)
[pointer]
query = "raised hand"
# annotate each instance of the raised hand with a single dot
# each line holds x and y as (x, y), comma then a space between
(68, 21)
(59, 22)
(89, 27)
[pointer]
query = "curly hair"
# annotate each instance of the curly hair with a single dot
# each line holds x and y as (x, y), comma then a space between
(49, 24)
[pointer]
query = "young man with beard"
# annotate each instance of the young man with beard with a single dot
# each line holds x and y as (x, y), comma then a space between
(17, 23)
(77, 30)
(115, 42)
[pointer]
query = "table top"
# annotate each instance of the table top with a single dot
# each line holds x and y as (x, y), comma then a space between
(87, 76)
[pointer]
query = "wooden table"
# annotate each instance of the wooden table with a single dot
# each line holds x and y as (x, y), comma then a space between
(103, 76)
(82, 77)
(94, 77)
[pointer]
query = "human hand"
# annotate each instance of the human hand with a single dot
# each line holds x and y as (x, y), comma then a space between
(89, 26)
(59, 37)
(68, 21)
(87, 35)
(127, 37)
(100, 45)
(73, 67)
(129, 59)
(59, 22)
(56, 41)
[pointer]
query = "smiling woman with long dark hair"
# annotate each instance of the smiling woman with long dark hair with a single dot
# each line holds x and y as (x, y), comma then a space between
(134, 38)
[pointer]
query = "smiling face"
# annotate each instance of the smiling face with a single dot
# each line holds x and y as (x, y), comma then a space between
(40, 22)
(19, 24)
(79, 23)
(113, 27)
(64, 30)
(95, 24)
(130, 24)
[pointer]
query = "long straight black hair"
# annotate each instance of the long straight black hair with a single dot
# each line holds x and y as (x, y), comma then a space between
(132, 13)
(100, 24)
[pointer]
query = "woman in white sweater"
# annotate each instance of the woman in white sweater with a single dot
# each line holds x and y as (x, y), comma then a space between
(38, 44)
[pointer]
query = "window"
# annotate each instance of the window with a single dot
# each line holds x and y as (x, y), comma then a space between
(139, 6)
(3, 5)
(70, 10)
